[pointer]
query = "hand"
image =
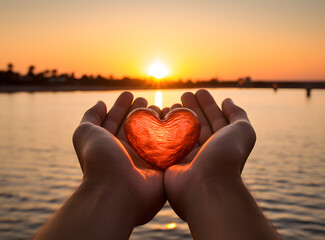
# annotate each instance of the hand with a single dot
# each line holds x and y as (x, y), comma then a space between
(110, 164)
(225, 142)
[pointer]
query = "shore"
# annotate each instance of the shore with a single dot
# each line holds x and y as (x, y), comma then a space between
(40, 88)
(69, 88)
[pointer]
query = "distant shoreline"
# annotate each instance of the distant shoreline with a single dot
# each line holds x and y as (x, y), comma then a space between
(71, 88)
(51, 81)
(13, 89)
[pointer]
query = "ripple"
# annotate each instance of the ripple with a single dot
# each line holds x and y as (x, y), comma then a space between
(15, 196)
(285, 170)
(317, 230)
(31, 210)
(10, 221)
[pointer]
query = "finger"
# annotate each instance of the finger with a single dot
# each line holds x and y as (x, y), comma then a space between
(95, 114)
(189, 101)
(232, 112)
(164, 112)
(138, 103)
(211, 110)
(176, 105)
(244, 130)
(156, 109)
(118, 112)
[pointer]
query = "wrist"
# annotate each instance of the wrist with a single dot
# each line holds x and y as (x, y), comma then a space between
(113, 195)
(92, 212)
(209, 192)
(227, 210)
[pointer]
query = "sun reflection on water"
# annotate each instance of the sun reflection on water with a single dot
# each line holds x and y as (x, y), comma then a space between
(158, 99)
(171, 225)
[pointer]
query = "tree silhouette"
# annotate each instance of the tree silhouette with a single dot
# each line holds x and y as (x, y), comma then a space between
(54, 73)
(10, 67)
(31, 70)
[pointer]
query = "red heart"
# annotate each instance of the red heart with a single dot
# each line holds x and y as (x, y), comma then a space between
(162, 142)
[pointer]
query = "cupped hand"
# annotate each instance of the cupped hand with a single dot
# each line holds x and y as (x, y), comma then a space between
(110, 164)
(225, 143)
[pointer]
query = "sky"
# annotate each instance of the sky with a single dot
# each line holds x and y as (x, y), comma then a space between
(224, 39)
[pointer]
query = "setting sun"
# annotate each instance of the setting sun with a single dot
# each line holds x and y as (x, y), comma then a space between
(158, 70)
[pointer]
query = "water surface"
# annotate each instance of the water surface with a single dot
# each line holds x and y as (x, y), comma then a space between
(285, 172)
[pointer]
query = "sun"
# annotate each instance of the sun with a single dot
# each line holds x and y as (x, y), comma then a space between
(158, 70)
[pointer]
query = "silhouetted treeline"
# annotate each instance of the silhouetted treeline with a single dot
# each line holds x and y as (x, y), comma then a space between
(51, 78)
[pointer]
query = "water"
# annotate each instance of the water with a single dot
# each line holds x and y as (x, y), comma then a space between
(285, 172)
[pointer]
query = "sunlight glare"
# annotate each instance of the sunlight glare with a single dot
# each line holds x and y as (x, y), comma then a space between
(158, 70)
(171, 225)
(158, 99)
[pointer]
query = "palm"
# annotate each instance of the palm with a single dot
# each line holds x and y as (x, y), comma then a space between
(115, 158)
(147, 182)
(220, 149)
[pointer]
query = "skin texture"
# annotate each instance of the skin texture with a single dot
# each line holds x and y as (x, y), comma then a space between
(119, 189)
(206, 189)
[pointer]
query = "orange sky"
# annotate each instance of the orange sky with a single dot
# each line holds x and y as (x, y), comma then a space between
(278, 40)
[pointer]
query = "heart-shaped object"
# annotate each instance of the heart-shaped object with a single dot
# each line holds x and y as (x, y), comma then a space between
(162, 142)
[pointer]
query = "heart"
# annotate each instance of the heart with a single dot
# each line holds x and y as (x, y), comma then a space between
(162, 142)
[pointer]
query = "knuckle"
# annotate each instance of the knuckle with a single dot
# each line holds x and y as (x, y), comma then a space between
(240, 111)
(248, 129)
(90, 111)
(80, 131)
(245, 125)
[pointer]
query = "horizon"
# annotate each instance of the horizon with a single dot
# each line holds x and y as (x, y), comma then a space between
(196, 40)
(148, 78)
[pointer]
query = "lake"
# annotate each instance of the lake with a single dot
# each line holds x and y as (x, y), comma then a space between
(285, 172)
